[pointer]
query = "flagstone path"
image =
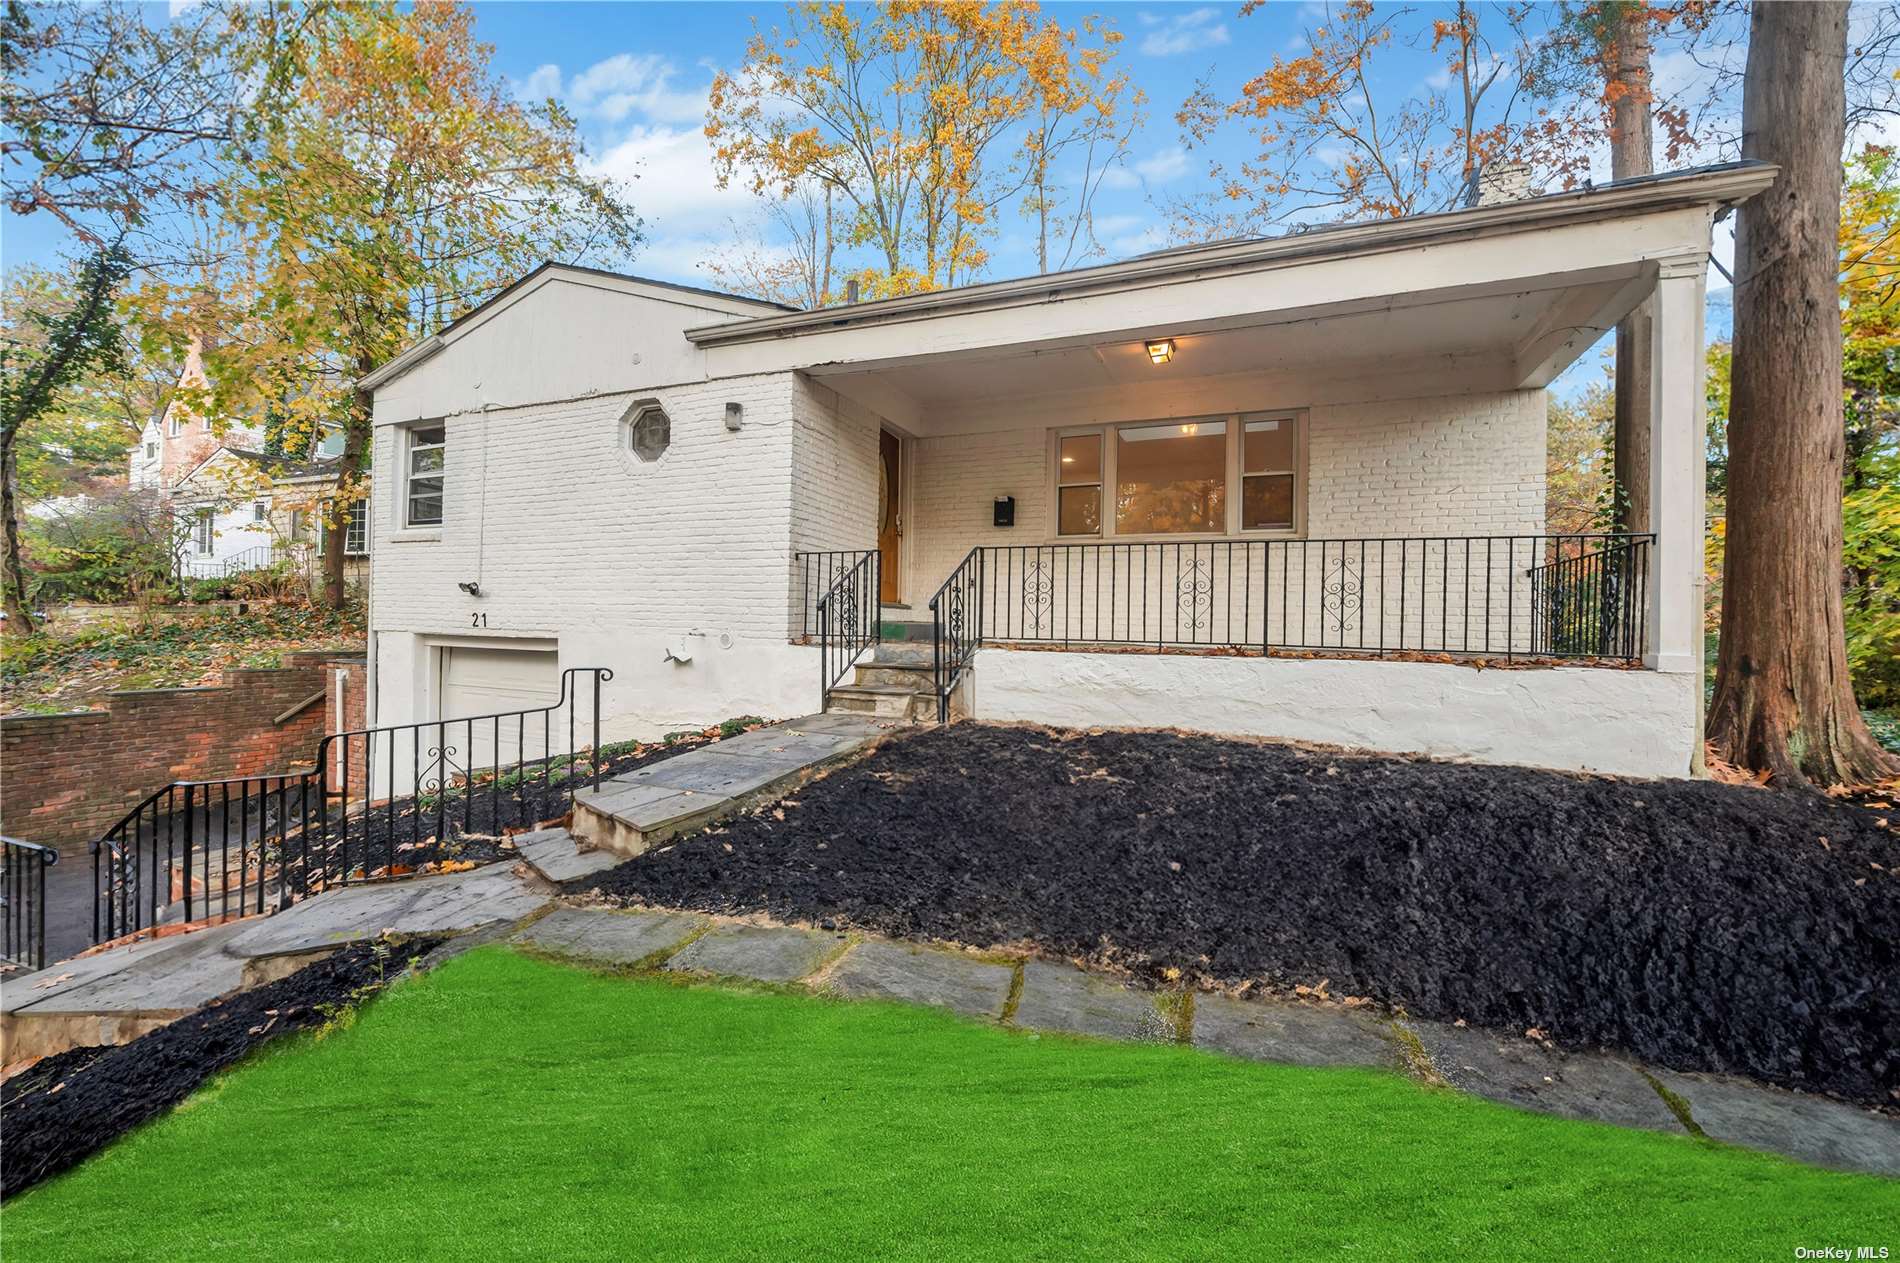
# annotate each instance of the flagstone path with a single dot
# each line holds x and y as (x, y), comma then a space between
(120, 994)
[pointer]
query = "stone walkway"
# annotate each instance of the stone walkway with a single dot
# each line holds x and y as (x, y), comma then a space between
(1037, 995)
(649, 805)
(120, 994)
(126, 991)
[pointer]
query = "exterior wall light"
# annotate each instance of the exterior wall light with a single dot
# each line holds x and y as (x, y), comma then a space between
(1162, 351)
(735, 416)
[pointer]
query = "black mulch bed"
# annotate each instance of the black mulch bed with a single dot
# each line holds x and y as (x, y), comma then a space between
(64, 1108)
(1696, 925)
(474, 819)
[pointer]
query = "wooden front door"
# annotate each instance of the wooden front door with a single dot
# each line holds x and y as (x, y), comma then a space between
(890, 517)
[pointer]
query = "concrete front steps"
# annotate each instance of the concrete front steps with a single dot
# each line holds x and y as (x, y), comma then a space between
(894, 683)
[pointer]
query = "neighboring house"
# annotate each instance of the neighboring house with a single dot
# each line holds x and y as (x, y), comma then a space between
(237, 507)
(243, 509)
(1313, 465)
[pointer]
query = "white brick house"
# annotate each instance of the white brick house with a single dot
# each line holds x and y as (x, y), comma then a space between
(1303, 476)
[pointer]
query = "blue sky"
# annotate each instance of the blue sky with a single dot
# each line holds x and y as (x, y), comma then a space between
(635, 75)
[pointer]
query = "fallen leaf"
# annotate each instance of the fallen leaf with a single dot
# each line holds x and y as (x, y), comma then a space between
(44, 983)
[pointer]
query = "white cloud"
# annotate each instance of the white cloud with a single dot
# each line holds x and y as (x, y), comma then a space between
(626, 85)
(1183, 33)
(671, 173)
(1159, 167)
(646, 129)
(539, 86)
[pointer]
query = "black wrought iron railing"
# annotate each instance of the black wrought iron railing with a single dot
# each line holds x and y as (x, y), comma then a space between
(817, 573)
(849, 620)
(1590, 601)
(23, 868)
(261, 557)
(375, 803)
(1508, 596)
(956, 621)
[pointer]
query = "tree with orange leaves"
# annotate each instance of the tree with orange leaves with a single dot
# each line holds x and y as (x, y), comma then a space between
(924, 120)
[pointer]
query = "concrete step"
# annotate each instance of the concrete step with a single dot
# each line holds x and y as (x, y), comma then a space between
(885, 701)
(916, 677)
(557, 857)
(901, 653)
(637, 810)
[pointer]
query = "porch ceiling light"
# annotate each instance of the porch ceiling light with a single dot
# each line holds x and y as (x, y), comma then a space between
(1161, 351)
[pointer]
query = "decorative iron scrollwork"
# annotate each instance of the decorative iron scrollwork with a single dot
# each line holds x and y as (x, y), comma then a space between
(1039, 594)
(1194, 595)
(1339, 596)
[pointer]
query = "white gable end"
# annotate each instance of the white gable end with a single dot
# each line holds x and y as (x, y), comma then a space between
(564, 334)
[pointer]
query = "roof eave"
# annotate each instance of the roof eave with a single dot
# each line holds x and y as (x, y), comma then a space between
(1727, 185)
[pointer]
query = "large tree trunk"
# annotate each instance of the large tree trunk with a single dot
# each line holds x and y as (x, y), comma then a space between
(1784, 702)
(1632, 152)
(19, 615)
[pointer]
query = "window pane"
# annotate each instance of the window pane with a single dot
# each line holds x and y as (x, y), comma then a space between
(1267, 445)
(430, 434)
(1081, 459)
(1171, 478)
(1266, 502)
(425, 460)
(1079, 511)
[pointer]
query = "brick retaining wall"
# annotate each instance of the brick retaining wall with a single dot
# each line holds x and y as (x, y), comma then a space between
(66, 779)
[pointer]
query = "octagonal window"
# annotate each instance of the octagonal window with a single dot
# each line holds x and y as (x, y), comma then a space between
(648, 432)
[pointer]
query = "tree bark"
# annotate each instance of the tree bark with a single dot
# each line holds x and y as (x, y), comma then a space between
(335, 524)
(1632, 153)
(19, 612)
(1784, 701)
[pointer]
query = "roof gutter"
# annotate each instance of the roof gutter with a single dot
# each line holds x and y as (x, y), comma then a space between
(1721, 186)
(402, 363)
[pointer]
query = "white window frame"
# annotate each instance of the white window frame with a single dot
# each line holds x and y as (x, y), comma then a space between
(260, 512)
(1236, 428)
(204, 532)
(151, 450)
(356, 524)
(410, 448)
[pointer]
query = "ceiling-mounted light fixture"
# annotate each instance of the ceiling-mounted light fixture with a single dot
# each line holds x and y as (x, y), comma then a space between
(1161, 351)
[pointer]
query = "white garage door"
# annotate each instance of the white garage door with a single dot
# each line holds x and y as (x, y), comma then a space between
(477, 681)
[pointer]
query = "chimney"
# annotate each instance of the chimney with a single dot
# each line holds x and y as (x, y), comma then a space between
(1500, 182)
(851, 290)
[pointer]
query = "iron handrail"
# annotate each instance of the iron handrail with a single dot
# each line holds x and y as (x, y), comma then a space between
(964, 623)
(322, 811)
(818, 571)
(23, 898)
(849, 620)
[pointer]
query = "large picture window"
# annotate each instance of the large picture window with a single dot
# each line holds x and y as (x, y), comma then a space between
(428, 469)
(1218, 475)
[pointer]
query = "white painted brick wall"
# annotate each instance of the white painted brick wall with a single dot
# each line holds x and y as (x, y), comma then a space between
(1427, 467)
(567, 531)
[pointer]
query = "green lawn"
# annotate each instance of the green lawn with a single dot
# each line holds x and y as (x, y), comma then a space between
(508, 1108)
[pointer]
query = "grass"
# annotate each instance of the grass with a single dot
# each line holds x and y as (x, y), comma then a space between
(57, 669)
(508, 1107)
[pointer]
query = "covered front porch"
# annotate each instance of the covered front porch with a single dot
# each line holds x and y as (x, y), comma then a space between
(1328, 447)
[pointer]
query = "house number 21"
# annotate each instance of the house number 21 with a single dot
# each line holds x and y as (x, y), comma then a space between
(478, 620)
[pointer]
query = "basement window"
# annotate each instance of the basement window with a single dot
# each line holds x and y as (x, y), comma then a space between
(428, 470)
(647, 431)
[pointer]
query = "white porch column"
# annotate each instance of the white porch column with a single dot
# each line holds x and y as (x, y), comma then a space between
(1678, 404)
